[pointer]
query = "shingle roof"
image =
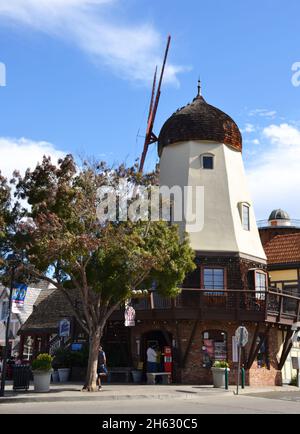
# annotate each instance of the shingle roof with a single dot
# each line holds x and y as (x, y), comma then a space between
(51, 306)
(34, 291)
(200, 121)
(283, 249)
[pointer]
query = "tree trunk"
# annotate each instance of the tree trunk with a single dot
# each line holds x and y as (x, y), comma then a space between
(91, 377)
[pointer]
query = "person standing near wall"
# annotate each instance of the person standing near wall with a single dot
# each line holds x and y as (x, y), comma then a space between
(151, 359)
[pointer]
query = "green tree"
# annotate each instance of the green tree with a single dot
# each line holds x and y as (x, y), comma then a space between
(63, 242)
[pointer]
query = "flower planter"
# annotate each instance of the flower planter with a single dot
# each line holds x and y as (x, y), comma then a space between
(219, 377)
(55, 377)
(41, 381)
(64, 374)
(137, 376)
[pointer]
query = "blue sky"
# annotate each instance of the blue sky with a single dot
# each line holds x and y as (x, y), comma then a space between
(78, 79)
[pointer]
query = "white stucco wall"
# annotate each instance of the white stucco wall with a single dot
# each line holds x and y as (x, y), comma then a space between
(224, 188)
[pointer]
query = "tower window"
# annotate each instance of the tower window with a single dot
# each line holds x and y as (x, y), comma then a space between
(244, 209)
(246, 217)
(207, 161)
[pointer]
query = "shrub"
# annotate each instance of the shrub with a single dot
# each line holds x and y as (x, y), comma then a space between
(43, 362)
(221, 364)
(294, 381)
(65, 358)
(62, 358)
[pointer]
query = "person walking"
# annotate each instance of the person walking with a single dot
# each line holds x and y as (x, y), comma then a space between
(101, 369)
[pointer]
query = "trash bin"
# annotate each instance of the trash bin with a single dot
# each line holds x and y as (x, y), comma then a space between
(21, 377)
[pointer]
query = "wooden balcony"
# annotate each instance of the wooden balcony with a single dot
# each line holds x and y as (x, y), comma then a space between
(228, 305)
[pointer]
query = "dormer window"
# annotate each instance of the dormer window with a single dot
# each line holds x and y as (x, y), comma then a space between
(244, 209)
(207, 161)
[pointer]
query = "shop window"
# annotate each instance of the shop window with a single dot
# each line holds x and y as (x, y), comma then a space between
(262, 356)
(214, 347)
(4, 311)
(290, 305)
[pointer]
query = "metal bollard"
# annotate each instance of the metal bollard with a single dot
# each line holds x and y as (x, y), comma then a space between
(243, 378)
(226, 379)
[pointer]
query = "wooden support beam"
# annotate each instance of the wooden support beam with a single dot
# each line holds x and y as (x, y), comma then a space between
(287, 346)
(178, 353)
(258, 347)
(252, 349)
(186, 353)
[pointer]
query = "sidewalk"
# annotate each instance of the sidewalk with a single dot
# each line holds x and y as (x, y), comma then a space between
(69, 392)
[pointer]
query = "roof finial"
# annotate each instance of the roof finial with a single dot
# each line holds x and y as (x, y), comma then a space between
(199, 88)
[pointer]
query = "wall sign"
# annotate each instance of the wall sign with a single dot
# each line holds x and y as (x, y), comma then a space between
(64, 328)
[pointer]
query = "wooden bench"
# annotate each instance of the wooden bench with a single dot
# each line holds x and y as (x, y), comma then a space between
(113, 372)
(151, 377)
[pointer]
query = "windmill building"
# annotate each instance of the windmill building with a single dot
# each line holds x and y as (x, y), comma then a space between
(201, 146)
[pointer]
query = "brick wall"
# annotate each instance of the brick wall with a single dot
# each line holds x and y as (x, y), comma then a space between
(193, 372)
(236, 270)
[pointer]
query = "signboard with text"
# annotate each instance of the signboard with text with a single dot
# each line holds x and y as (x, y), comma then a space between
(64, 328)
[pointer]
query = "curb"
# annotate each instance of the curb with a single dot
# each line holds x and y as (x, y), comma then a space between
(103, 397)
(14, 400)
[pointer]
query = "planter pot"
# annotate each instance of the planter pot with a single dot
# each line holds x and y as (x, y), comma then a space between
(137, 376)
(41, 381)
(219, 377)
(55, 377)
(64, 374)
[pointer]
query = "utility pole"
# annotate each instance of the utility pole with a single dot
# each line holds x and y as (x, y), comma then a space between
(3, 377)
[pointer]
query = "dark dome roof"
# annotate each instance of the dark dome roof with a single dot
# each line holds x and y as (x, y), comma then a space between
(200, 121)
(279, 214)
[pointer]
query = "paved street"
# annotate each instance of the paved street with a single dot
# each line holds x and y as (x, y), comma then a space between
(179, 400)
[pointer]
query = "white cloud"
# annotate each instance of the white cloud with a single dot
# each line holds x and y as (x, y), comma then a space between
(249, 128)
(263, 113)
(283, 135)
(131, 51)
(274, 174)
(20, 154)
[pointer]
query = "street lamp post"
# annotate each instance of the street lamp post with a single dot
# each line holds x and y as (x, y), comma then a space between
(3, 378)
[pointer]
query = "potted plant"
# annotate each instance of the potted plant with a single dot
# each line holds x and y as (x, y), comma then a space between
(63, 362)
(218, 370)
(42, 369)
(137, 374)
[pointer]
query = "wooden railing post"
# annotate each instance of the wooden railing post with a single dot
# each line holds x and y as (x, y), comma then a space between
(280, 307)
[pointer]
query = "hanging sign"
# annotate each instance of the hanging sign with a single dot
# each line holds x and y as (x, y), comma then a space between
(129, 316)
(18, 297)
(64, 328)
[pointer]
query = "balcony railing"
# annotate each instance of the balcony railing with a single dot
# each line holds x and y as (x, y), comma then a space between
(230, 303)
(294, 223)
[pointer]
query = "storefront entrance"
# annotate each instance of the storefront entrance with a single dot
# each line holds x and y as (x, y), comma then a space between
(160, 339)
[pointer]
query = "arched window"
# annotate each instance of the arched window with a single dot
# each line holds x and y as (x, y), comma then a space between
(214, 347)
(207, 161)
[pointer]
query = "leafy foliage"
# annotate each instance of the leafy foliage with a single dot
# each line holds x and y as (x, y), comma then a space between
(43, 362)
(221, 364)
(65, 358)
(61, 240)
